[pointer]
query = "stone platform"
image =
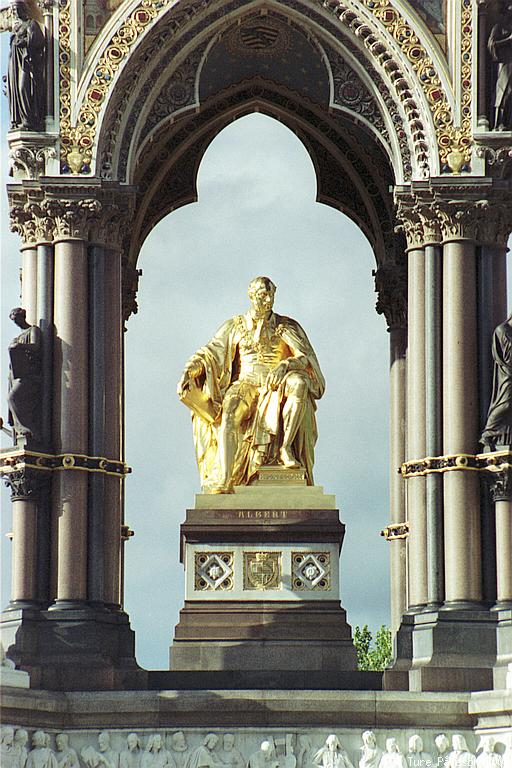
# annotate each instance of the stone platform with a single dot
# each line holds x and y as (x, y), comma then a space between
(262, 580)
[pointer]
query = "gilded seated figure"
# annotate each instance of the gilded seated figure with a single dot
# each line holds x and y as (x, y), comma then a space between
(252, 390)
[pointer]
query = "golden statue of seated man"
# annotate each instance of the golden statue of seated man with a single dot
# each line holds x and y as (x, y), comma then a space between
(252, 391)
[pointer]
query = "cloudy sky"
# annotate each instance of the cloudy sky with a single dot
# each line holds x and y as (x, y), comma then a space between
(256, 214)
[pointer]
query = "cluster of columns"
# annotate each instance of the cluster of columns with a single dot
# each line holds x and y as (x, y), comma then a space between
(441, 380)
(67, 523)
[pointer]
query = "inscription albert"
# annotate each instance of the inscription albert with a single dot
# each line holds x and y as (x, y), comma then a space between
(263, 514)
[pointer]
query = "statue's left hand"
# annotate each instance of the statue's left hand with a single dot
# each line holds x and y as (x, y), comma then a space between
(276, 376)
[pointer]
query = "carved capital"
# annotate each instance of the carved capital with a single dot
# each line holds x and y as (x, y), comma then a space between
(130, 285)
(391, 287)
(459, 219)
(500, 485)
(410, 223)
(30, 162)
(23, 483)
(74, 218)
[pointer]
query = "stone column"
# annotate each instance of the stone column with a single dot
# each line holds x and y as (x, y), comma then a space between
(416, 446)
(71, 418)
(29, 282)
(24, 485)
(433, 422)
(391, 285)
(460, 409)
(113, 427)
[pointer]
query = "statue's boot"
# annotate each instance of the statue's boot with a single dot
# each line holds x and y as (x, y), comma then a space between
(228, 445)
(293, 413)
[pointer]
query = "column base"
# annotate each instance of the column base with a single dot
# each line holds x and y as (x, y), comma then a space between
(445, 650)
(504, 651)
(72, 649)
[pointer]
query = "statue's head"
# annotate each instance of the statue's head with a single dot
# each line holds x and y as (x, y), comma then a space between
(21, 737)
(18, 316)
(332, 742)
(211, 740)
(261, 293)
(39, 739)
(178, 741)
(20, 9)
(104, 741)
(391, 745)
(7, 735)
(459, 743)
(133, 742)
(228, 742)
(369, 739)
(61, 741)
(442, 742)
(416, 744)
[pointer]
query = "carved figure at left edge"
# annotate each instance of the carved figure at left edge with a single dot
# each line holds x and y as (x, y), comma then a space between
(500, 48)
(498, 429)
(26, 70)
(24, 394)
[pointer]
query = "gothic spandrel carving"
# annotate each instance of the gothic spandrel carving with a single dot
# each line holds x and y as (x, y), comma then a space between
(25, 76)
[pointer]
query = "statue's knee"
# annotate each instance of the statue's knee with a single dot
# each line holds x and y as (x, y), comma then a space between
(296, 386)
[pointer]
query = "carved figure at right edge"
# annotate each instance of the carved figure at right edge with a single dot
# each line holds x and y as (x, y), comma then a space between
(24, 393)
(498, 429)
(500, 48)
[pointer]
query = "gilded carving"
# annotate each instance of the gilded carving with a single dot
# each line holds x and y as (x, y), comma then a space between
(262, 570)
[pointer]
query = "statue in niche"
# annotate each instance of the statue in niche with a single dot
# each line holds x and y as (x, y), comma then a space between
(265, 756)
(24, 391)
(26, 69)
(488, 758)
(498, 428)
(41, 756)
(370, 752)
(252, 391)
(106, 756)
(332, 754)
(8, 753)
(179, 749)
(66, 756)
(392, 757)
(416, 757)
(20, 743)
(229, 755)
(460, 756)
(500, 49)
(156, 755)
(132, 756)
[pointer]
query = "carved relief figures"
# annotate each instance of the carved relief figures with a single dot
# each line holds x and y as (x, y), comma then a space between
(500, 48)
(24, 378)
(498, 429)
(41, 756)
(105, 757)
(332, 755)
(155, 754)
(370, 752)
(65, 755)
(132, 756)
(25, 76)
(252, 390)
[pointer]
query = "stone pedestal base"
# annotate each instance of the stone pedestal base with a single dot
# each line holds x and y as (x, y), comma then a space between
(262, 582)
(503, 666)
(72, 650)
(444, 650)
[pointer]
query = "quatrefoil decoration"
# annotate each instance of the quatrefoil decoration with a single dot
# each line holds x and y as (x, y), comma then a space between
(213, 570)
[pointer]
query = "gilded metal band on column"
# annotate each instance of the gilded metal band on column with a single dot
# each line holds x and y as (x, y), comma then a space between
(14, 461)
(396, 531)
(497, 461)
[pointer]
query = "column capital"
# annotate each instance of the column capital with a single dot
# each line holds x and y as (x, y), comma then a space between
(409, 222)
(99, 212)
(391, 287)
(23, 483)
(500, 484)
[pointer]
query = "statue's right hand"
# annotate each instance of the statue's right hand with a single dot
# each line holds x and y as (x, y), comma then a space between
(192, 371)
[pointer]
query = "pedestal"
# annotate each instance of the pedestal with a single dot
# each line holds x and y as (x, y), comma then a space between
(262, 580)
